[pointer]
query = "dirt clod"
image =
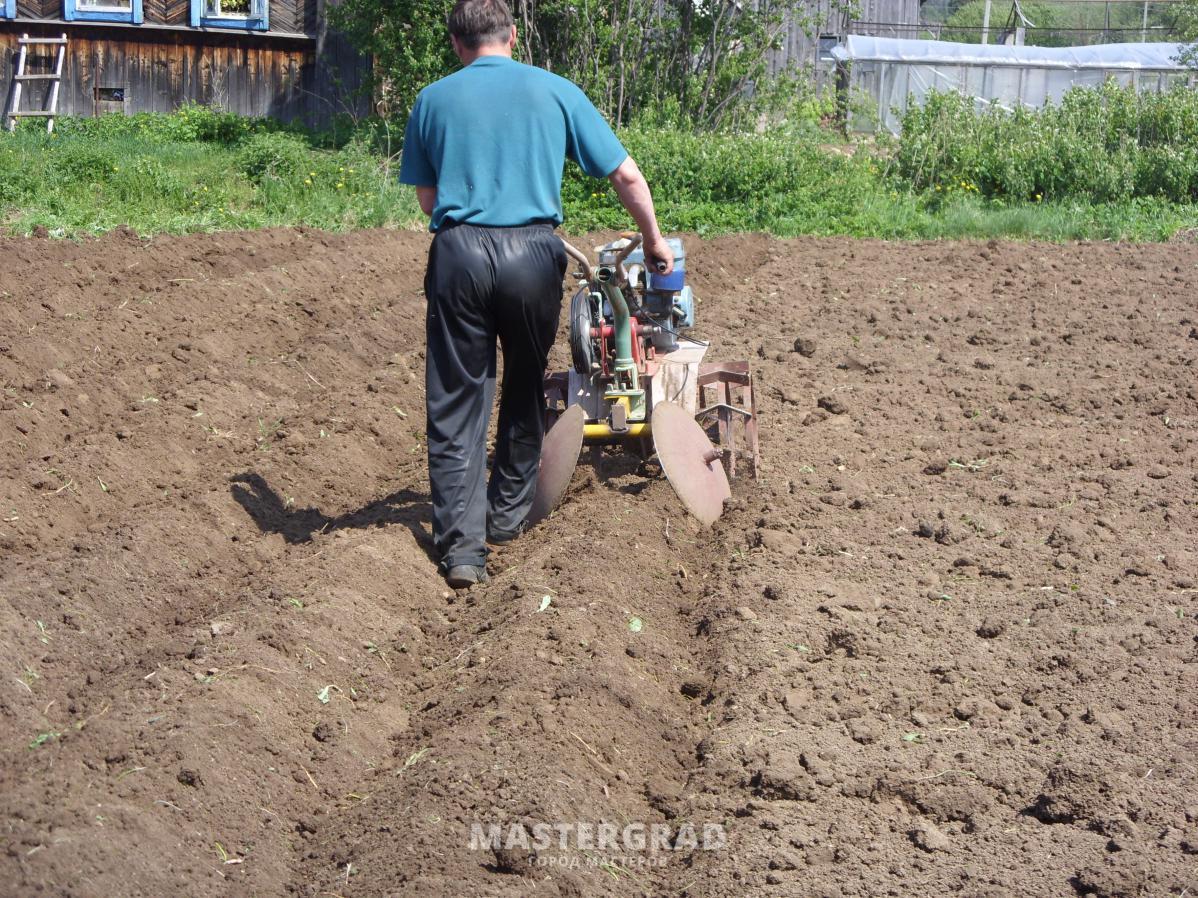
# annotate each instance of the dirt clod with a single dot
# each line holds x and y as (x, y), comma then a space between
(805, 346)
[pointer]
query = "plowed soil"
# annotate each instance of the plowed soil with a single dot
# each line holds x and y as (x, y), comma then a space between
(945, 645)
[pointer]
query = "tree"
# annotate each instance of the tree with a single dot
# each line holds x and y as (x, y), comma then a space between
(1187, 29)
(703, 62)
(1062, 24)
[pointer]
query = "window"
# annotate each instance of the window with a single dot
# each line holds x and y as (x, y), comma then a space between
(825, 45)
(249, 14)
(102, 11)
(8, 9)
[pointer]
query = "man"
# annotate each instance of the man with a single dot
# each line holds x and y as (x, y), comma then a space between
(485, 148)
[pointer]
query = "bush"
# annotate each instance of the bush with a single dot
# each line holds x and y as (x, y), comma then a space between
(1102, 145)
(965, 25)
(188, 124)
(713, 183)
(278, 157)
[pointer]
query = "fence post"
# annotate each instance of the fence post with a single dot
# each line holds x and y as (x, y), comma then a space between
(842, 96)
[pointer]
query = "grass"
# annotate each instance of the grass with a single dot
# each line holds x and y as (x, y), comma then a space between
(197, 170)
(81, 184)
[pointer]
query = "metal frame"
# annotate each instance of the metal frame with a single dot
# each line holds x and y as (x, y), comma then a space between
(733, 400)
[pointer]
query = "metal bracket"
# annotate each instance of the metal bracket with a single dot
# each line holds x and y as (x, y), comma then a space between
(733, 400)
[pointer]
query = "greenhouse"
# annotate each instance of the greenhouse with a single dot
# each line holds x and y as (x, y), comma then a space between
(884, 75)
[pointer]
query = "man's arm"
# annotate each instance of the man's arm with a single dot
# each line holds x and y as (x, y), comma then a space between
(415, 167)
(633, 191)
(427, 197)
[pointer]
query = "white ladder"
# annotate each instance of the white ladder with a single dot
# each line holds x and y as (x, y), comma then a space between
(50, 105)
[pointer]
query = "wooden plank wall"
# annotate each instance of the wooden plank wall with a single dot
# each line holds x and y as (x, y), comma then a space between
(39, 9)
(799, 48)
(887, 18)
(161, 70)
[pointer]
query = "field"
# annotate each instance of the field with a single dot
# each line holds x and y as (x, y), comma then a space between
(947, 645)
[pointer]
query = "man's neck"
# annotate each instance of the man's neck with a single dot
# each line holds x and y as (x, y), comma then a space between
(501, 50)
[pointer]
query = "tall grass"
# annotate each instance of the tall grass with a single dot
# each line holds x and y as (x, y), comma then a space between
(951, 174)
(1100, 145)
(191, 171)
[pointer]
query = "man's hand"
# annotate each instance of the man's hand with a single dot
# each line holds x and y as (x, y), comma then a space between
(634, 193)
(658, 251)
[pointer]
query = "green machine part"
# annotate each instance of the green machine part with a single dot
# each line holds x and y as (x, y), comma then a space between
(627, 386)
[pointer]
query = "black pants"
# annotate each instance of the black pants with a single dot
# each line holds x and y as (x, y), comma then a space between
(484, 283)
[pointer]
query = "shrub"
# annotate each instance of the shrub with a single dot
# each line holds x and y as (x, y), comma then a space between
(189, 123)
(714, 183)
(272, 156)
(1105, 144)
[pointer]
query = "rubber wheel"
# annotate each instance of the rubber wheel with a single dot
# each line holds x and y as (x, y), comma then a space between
(582, 348)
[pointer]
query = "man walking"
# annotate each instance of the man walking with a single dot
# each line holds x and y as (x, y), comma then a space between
(485, 148)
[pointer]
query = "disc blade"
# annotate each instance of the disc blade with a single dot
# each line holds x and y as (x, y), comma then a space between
(559, 458)
(683, 449)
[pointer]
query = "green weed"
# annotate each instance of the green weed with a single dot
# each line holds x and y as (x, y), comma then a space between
(1105, 164)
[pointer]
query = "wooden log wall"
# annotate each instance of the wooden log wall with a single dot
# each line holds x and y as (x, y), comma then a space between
(297, 71)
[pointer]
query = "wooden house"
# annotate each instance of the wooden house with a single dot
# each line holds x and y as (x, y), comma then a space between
(254, 57)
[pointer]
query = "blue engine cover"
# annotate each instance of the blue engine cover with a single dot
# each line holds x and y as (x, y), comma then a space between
(668, 299)
(667, 283)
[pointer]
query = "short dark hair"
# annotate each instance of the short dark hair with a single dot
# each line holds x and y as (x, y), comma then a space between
(478, 22)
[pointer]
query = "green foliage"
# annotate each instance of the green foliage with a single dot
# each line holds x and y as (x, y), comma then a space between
(1186, 28)
(93, 175)
(1062, 24)
(705, 63)
(407, 40)
(189, 123)
(1102, 145)
(194, 170)
(965, 24)
(734, 182)
(264, 157)
(790, 184)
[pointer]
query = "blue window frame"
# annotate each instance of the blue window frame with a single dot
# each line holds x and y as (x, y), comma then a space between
(250, 15)
(8, 9)
(102, 11)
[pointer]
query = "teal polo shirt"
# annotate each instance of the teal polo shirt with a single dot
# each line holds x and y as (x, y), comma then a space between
(493, 139)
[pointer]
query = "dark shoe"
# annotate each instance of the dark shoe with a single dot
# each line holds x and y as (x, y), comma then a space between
(463, 576)
(499, 537)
